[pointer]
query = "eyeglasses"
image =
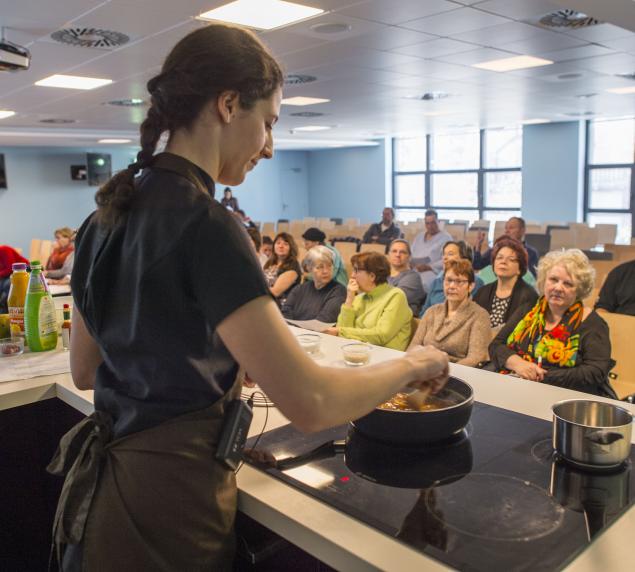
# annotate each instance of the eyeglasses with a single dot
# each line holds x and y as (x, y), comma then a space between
(454, 281)
(506, 259)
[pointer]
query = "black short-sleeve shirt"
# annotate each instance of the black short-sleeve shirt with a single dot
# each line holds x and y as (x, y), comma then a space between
(152, 291)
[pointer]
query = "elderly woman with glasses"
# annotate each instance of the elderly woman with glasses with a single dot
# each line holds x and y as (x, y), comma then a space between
(319, 298)
(503, 297)
(374, 311)
(458, 326)
(558, 341)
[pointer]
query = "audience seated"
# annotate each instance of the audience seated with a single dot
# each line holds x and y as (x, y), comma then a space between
(503, 297)
(8, 257)
(558, 341)
(228, 201)
(374, 311)
(453, 250)
(487, 274)
(427, 250)
(315, 237)
(402, 276)
(383, 232)
(282, 270)
(514, 228)
(321, 297)
(618, 292)
(63, 249)
(266, 249)
(458, 326)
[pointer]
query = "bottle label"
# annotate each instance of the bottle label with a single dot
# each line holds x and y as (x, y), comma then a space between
(16, 319)
(47, 319)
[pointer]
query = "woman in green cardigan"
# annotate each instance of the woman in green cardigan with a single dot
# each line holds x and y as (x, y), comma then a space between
(374, 311)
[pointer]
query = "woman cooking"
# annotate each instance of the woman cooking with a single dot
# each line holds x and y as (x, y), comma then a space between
(558, 341)
(143, 490)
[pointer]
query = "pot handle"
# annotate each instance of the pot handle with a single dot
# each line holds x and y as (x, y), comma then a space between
(603, 437)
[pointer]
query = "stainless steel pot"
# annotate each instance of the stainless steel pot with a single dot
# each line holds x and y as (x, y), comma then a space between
(592, 433)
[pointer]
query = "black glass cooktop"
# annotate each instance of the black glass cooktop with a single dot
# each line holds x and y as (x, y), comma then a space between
(494, 498)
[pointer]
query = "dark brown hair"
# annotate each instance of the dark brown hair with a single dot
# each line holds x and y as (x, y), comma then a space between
(291, 261)
(461, 267)
(465, 250)
(201, 66)
(515, 245)
(254, 234)
(373, 262)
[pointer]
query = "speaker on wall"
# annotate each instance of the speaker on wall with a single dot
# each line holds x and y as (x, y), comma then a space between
(99, 168)
(3, 173)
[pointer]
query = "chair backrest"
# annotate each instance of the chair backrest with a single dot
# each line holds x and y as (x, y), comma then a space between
(346, 250)
(35, 248)
(283, 226)
(541, 242)
(456, 231)
(381, 248)
(602, 268)
(621, 328)
(268, 228)
(45, 251)
(562, 238)
(621, 252)
(592, 298)
(606, 233)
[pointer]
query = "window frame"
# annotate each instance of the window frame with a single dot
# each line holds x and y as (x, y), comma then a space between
(588, 167)
(481, 171)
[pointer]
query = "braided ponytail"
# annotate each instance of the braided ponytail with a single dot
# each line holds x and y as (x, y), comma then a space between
(200, 67)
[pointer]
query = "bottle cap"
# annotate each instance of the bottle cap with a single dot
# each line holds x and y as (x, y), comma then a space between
(67, 307)
(18, 267)
(36, 264)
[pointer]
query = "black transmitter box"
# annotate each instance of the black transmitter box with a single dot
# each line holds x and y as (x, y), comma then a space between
(234, 433)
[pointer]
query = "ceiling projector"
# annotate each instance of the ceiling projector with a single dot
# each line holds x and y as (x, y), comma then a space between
(13, 57)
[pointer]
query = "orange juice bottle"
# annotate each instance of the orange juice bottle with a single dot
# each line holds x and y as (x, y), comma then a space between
(17, 296)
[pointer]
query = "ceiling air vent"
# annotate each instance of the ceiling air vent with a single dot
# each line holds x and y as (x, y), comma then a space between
(331, 28)
(306, 114)
(90, 38)
(57, 121)
(298, 79)
(568, 19)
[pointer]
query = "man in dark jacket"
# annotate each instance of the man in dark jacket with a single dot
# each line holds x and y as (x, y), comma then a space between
(514, 227)
(618, 293)
(383, 232)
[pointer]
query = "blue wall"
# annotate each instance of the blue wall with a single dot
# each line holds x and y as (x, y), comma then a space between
(348, 182)
(553, 171)
(41, 195)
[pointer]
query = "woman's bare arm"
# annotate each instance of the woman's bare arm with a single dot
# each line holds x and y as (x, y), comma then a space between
(85, 355)
(310, 396)
(284, 282)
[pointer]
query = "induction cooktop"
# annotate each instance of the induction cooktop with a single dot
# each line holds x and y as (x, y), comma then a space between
(495, 497)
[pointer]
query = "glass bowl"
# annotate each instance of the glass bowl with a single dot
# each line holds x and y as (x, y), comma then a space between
(356, 354)
(11, 347)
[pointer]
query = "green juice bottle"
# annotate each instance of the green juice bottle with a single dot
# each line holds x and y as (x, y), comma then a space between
(40, 320)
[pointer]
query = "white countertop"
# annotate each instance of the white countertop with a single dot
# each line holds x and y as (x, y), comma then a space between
(339, 540)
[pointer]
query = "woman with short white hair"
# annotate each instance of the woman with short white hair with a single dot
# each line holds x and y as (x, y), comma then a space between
(558, 341)
(319, 298)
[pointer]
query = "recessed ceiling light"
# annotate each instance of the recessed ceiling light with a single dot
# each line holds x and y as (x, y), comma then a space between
(306, 114)
(4, 113)
(298, 79)
(73, 81)
(622, 90)
(299, 100)
(513, 63)
(261, 14)
(115, 141)
(312, 128)
(536, 121)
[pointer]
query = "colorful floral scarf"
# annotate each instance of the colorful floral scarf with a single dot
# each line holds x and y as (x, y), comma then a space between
(555, 348)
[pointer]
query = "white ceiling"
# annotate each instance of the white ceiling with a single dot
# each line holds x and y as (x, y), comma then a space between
(395, 50)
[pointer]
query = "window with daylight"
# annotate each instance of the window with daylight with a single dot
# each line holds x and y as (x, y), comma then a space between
(609, 188)
(464, 176)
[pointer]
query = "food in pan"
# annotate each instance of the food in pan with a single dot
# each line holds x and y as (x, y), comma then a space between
(399, 402)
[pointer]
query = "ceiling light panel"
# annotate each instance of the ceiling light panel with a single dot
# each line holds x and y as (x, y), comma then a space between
(115, 141)
(312, 128)
(73, 82)
(618, 90)
(536, 121)
(513, 63)
(261, 14)
(299, 100)
(4, 113)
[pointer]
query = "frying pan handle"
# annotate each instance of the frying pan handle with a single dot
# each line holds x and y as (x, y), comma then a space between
(603, 437)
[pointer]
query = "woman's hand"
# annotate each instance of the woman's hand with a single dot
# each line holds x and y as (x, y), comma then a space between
(333, 331)
(431, 367)
(526, 369)
(351, 291)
